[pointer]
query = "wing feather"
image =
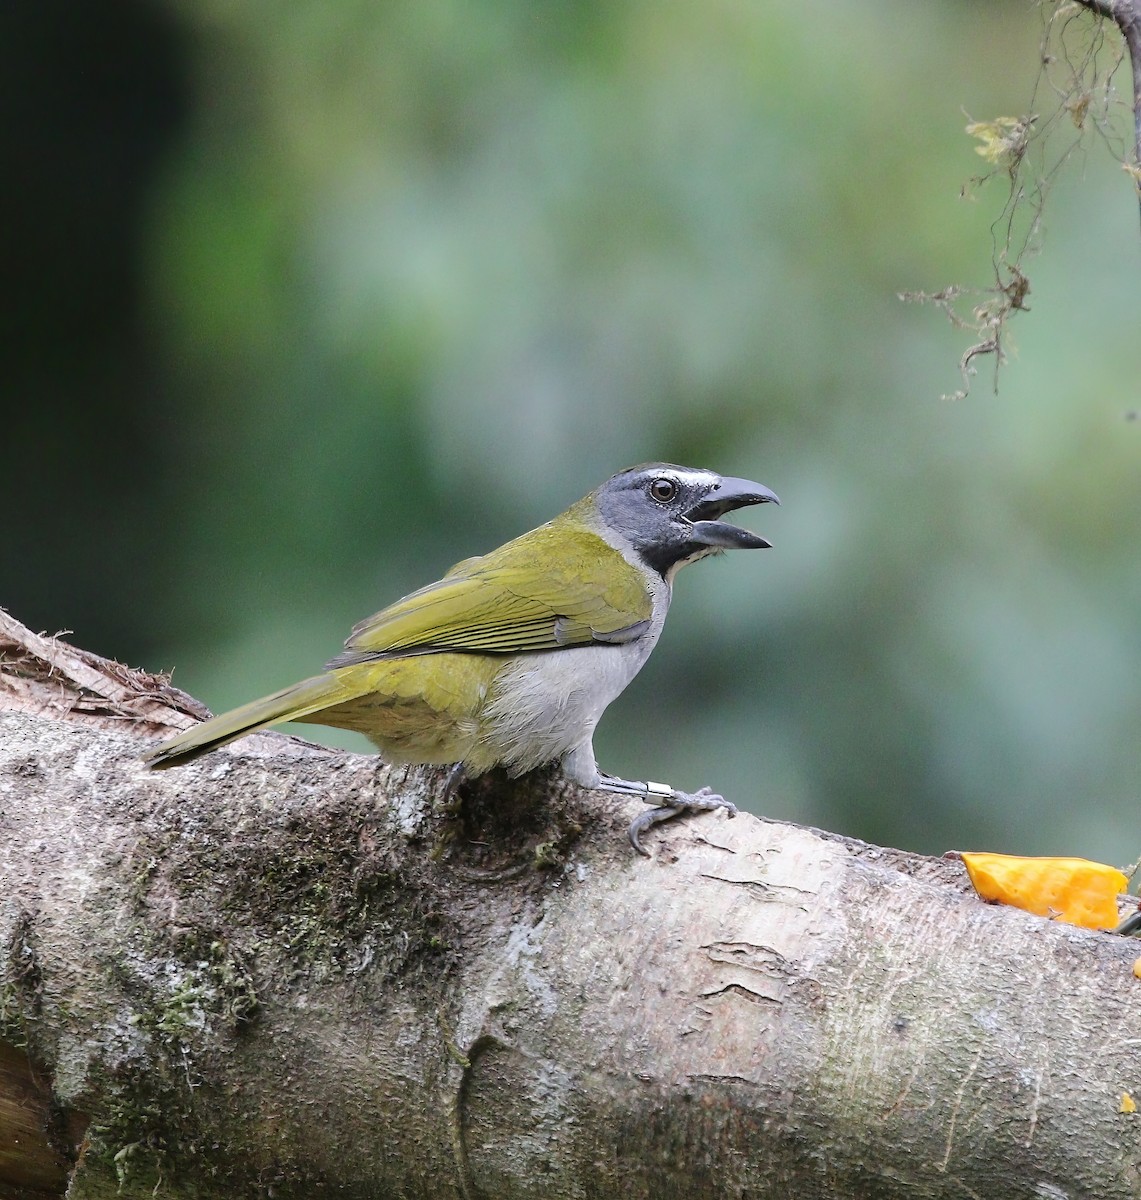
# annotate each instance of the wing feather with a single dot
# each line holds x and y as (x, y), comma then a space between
(547, 590)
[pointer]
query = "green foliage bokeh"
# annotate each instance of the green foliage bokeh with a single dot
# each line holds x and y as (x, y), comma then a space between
(413, 276)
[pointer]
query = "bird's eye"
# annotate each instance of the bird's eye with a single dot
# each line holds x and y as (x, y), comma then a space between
(663, 490)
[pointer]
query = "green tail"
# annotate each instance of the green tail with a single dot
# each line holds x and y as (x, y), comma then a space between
(291, 704)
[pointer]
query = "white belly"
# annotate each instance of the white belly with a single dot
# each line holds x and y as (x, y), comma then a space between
(547, 705)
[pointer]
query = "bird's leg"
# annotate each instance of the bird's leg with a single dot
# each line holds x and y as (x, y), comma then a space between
(581, 767)
(670, 803)
(456, 775)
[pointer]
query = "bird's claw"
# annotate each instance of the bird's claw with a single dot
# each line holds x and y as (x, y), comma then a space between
(676, 804)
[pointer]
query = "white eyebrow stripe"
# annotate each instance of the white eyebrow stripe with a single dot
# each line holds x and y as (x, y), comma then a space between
(702, 478)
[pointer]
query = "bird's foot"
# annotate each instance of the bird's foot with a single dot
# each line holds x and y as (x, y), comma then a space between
(675, 805)
(670, 803)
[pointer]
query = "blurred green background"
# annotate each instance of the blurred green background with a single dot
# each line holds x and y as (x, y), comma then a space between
(308, 301)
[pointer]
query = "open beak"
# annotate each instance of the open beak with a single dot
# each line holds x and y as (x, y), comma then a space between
(728, 496)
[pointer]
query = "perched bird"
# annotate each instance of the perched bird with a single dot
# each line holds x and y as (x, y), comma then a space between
(511, 659)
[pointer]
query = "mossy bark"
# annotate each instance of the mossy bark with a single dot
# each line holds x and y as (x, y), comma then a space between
(283, 971)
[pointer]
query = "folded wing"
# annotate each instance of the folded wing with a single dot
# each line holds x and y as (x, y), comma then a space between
(554, 591)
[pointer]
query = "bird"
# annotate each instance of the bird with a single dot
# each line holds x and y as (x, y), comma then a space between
(512, 657)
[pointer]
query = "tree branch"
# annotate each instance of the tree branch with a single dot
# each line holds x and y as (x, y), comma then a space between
(1126, 15)
(282, 968)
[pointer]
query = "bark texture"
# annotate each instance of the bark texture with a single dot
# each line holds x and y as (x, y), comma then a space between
(284, 971)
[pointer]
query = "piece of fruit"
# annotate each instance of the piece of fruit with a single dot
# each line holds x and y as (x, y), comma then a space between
(1073, 890)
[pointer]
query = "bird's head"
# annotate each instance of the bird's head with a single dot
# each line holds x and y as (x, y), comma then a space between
(671, 515)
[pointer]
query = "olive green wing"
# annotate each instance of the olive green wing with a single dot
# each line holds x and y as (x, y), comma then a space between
(546, 590)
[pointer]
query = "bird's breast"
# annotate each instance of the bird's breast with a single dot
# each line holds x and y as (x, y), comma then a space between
(543, 705)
